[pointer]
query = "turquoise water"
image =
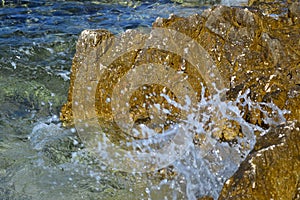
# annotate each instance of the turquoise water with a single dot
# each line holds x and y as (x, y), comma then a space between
(40, 159)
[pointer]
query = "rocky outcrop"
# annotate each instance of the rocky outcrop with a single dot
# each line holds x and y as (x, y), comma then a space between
(256, 48)
(251, 50)
(271, 171)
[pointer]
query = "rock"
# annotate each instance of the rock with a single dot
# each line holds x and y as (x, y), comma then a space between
(20, 98)
(256, 48)
(206, 198)
(271, 170)
(251, 50)
(55, 144)
(85, 45)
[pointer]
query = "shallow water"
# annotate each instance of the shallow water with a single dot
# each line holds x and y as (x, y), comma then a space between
(37, 43)
(42, 160)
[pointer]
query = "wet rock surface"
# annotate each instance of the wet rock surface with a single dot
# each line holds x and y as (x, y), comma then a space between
(271, 171)
(252, 51)
(256, 48)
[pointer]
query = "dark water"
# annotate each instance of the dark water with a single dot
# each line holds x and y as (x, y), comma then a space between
(37, 43)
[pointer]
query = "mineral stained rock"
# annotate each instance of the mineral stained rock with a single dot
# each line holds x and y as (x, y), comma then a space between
(252, 50)
(256, 48)
(271, 171)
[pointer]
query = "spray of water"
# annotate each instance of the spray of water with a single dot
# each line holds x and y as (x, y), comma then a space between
(208, 159)
(190, 157)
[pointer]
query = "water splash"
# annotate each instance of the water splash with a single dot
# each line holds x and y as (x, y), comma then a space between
(206, 164)
(204, 171)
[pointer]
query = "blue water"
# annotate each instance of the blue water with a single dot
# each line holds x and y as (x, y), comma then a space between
(38, 38)
(40, 34)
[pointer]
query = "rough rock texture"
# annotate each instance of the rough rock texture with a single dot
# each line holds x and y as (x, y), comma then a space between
(271, 171)
(251, 50)
(256, 48)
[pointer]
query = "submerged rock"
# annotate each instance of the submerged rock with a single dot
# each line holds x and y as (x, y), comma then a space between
(21, 98)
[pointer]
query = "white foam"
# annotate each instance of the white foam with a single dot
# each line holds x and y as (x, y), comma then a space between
(203, 168)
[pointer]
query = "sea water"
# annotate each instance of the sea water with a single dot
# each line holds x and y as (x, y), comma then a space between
(42, 160)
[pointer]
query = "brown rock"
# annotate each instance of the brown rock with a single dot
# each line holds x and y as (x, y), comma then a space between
(251, 50)
(271, 170)
(206, 198)
(86, 45)
(256, 48)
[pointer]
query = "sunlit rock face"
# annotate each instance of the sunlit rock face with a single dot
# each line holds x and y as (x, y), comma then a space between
(256, 48)
(251, 50)
(86, 45)
(271, 171)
